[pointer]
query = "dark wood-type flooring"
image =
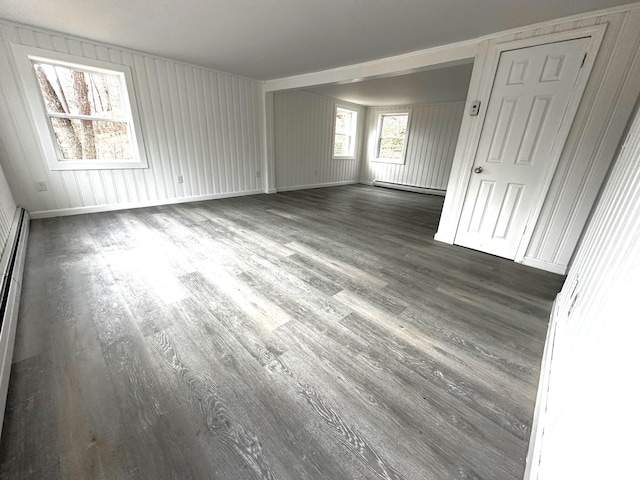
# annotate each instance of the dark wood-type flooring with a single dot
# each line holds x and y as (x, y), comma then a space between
(318, 334)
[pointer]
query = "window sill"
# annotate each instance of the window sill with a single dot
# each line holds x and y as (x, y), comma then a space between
(389, 160)
(96, 165)
(343, 158)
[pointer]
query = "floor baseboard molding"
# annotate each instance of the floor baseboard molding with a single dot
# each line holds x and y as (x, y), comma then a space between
(548, 266)
(408, 188)
(12, 268)
(316, 185)
(62, 212)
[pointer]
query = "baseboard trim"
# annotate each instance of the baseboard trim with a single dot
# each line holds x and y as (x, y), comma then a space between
(408, 188)
(439, 237)
(548, 266)
(12, 268)
(537, 427)
(124, 206)
(316, 185)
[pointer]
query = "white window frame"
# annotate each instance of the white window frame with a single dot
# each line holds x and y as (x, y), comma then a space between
(25, 56)
(353, 134)
(377, 157)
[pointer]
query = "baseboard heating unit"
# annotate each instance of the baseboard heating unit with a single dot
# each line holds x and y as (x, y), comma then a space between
(409, 188)
(11, 269)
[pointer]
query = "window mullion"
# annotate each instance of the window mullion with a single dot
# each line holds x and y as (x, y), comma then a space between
(71, 116)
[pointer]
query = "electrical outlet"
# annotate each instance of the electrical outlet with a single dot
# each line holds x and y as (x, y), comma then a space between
(180, 179)
(41, 186)
(258, 174)
(316, 172)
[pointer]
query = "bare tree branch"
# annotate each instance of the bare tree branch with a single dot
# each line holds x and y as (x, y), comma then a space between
(82, 95)
(65, 127)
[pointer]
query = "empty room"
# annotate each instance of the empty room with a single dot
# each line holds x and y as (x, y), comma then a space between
(319, 240)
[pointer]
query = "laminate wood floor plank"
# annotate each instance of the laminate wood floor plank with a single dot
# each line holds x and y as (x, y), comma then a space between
(395, 398)
(317, 334)
(240, 383)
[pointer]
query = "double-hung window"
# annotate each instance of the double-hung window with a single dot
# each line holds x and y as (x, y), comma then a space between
(344, 140)
(392, 137)
(84, 110)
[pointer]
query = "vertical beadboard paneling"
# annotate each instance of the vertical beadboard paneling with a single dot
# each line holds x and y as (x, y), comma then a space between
(591, 402)
(433, 133)
(303, 137)
(605, 108)
(7, 209)
(198, 123)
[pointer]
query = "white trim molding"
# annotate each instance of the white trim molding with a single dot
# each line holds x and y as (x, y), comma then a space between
(25, 55)
(408, 188)
(63, 212)
(542, 265)
(437, 57)
(316, 185)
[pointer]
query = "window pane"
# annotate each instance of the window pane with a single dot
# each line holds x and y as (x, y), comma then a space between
(92, 139)
(342, 121)
(394, 125)
(78, 92)
(345, 121)
(391, 148)
(341, 145)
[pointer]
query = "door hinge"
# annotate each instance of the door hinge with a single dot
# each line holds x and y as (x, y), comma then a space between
(583, 60)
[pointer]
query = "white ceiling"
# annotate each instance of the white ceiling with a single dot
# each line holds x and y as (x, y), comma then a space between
(449, 84)
(267, 39)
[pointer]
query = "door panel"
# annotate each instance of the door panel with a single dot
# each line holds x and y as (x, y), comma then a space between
(528, 102)
(484, 196)
(509, 207)
(503, 129)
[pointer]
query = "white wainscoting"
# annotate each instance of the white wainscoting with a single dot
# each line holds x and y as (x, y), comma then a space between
(303, 131)
(431, 142)
(204, 125)
(587, 413)
(7, 210)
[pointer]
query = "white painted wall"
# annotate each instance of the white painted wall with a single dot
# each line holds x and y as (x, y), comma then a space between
(303, 131)
(7, 209)
(204, 125)
(605, 108)
(590, 421)
(431, 141)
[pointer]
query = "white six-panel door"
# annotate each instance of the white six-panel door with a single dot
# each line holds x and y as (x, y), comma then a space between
(528, 103)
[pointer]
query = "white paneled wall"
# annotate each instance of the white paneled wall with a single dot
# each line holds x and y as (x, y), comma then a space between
(303, 127)
(606, 106)
(607, 103)
(198, 123)
(591, 404)
(7, 210)
(431, 143)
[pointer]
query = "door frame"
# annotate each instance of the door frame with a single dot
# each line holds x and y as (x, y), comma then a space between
(484, 86)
